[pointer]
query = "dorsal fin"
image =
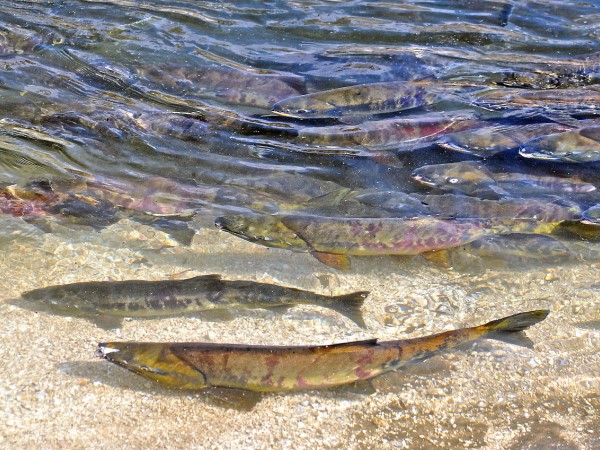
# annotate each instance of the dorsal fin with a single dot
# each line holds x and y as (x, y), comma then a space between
(348, 346)
(210, 277)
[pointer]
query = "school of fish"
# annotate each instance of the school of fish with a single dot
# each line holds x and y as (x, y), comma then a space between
(465, 170)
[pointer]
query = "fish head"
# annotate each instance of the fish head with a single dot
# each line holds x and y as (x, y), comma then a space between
(592, 215)
(303, 107)
(577, 146)
(261, 229)
(543, 148)
(462, 176)
(153, 361)
(57, 299)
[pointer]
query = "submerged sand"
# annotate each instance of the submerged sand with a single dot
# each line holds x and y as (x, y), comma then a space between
(55, 394)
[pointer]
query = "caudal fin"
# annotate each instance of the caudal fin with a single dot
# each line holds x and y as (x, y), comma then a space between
(516, 322)
(350, 306)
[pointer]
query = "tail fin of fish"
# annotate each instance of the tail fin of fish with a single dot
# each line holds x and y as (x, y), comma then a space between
(350, 306)
(514, 323)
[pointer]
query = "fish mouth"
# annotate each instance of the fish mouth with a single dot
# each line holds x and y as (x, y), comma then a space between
(104, 351)
(220, 223)
(424, 180)
(538, 155)
(454, 147)
(224, 224)
(116, 356)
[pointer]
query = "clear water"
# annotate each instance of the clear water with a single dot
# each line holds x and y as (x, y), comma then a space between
(142, 112)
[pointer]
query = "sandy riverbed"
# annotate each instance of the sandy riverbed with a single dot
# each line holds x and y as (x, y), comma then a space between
(55, 394)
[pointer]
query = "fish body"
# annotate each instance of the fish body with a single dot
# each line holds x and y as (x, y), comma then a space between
(542, 184)
(230, 85)
(294, 187)
(505, 251)
(146, 299)
(541, 209)
(488, 141)
(362, 99)
(577, 146)
(39, 200)
(582, 100)
(273, 368)
(398, 203)
(474, 179)
(566, 77)
(392, 236)
(523, 246)
(383, 134)
(30, 201)
(159, 196)
(18, 41)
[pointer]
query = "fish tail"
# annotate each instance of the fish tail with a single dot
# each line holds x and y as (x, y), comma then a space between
(514, 323)
(350, 306)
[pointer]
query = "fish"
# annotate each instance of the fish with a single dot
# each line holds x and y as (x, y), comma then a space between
(504, 251)
(384, 134)
(227, 84)
(362, 99)
(332, 239)
(592, 214)
(400, 204)
(474, 179)
(557, 79)
(261, 368)
(107, 303)
(571, 101)
(541, 209)
(18, 40)
(543, 184)
(467, 177)
(488, 141)
(38, 200)
(575, 146)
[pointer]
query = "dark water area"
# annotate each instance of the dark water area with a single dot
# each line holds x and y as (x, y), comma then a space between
(128, 128)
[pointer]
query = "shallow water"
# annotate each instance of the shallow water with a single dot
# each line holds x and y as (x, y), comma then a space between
(155, 118)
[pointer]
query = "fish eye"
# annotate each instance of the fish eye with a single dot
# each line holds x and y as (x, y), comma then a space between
(453, 180)
(153, 370)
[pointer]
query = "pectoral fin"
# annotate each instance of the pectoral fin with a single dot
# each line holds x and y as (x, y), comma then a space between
(212, 315)
(239, 399)
(107, 322)
(340, 262)
(440, 258)
(363, 387)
